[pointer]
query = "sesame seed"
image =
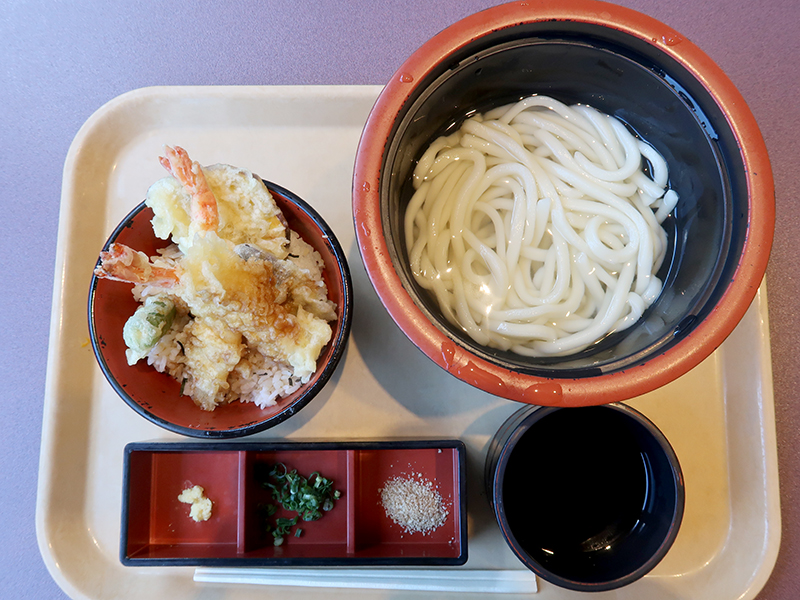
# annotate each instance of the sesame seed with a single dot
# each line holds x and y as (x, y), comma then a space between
(414, 505)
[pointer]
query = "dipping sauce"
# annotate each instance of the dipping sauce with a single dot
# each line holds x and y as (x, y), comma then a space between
(592, 487)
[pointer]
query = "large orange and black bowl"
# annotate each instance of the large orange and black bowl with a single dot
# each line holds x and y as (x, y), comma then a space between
(157, 396)
(667, 91)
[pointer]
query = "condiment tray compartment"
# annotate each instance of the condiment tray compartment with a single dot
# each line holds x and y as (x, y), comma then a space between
(158, 531)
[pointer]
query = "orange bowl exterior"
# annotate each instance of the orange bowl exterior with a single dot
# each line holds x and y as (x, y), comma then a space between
(659, 369)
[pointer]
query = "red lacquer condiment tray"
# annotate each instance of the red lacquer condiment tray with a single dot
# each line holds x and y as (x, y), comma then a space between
(157, 529)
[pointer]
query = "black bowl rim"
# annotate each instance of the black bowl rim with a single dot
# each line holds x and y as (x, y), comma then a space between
(340, 342)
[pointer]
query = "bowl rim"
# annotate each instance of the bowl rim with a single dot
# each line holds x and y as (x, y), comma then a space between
(339, 342)
(661, 368)
(526, 418)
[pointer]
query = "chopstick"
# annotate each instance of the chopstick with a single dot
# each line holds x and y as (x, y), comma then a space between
(494, 581)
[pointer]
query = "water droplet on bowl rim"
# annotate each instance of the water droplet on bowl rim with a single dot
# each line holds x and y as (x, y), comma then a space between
(546, 393)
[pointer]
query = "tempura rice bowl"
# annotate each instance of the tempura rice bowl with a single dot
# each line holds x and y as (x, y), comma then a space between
(663, 88)
(157, 395)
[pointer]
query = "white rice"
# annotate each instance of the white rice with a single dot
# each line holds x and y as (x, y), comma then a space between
(256, 378)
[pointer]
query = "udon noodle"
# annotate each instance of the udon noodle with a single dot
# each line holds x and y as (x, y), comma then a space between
(537, 228)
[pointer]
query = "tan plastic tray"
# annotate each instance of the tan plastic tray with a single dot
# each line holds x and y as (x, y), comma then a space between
(719, 417)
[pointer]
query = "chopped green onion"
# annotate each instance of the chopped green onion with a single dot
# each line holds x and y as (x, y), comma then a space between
(307, 497)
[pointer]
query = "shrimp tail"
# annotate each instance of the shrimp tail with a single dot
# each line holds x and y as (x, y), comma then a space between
(122, 263)
(189, 173)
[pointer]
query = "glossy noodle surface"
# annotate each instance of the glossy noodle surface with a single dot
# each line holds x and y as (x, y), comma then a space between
(537, 226)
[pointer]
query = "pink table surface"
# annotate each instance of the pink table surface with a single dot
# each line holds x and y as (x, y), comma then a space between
(60, 61)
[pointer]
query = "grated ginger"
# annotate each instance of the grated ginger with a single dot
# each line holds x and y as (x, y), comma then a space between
(201, 506)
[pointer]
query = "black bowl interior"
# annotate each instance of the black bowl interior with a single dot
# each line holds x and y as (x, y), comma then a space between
(655, 96)
(615, 499)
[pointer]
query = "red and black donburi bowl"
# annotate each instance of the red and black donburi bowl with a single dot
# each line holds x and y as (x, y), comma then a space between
(157, 396)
